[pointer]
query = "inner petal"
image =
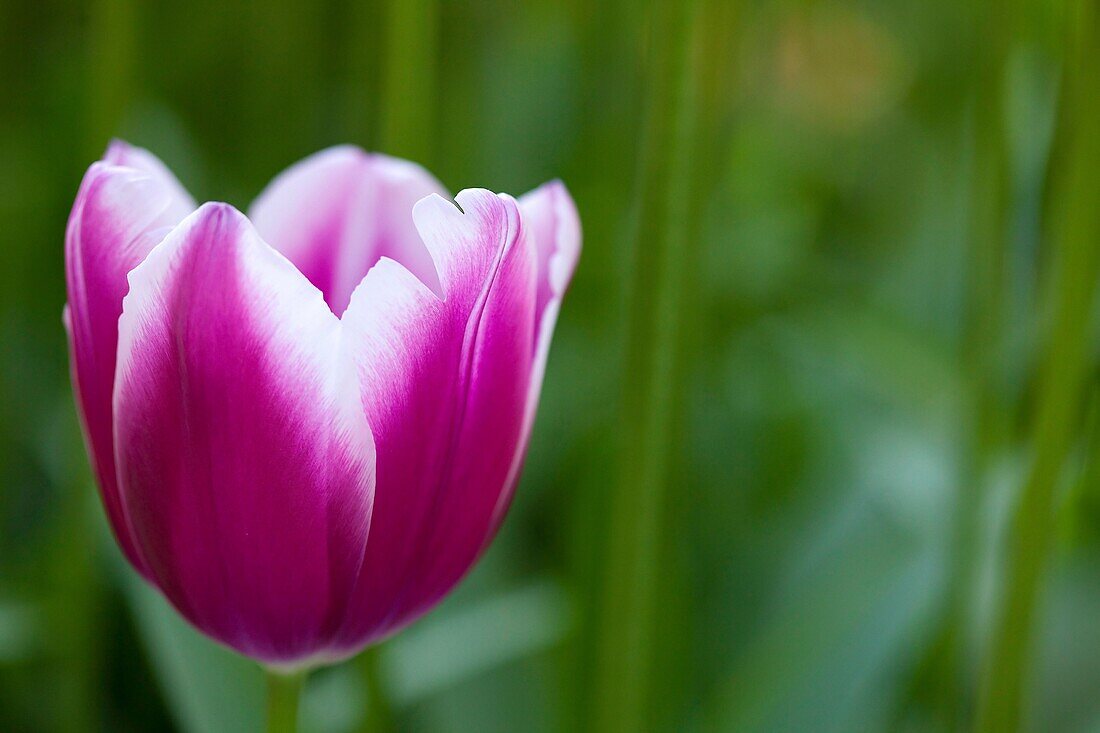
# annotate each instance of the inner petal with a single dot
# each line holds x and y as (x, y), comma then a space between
(337, 212)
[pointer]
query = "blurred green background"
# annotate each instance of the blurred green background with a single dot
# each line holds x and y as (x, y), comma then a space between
(804, 373)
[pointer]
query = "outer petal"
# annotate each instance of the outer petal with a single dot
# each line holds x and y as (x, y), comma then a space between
(125, 205)
(243, 456)
(337, 212)
(127, 156)
(444, 385)
(551, 216)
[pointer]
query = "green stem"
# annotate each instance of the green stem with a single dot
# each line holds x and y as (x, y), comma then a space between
(283, 691)
(363, 87)
(412, 29)
(78, 693)
(380, 715)
(1061, 391)
(989, 232)
(113, 29)
(623, 685)
(943, 672)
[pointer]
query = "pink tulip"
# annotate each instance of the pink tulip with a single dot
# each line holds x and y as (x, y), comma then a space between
(308, 423)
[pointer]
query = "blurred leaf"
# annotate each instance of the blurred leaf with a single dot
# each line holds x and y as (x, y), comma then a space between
(208, 688)
(1064, 685)
(18, 631)
(333, 700)
(445, 649)
(826, 659)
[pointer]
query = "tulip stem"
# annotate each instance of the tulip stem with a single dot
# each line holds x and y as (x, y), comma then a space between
(283, 691)
(1061, 392)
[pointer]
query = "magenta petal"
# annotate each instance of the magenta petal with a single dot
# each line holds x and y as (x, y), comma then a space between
(444, 385)
(125, 155)
(125, 205)
(337, 212)
(243, 455)
(551, 217)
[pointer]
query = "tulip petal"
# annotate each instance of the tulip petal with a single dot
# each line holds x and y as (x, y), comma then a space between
(125, 155)
(337, 212)
(125, 205)
(444, 385)
(551, 216)
(243, 455)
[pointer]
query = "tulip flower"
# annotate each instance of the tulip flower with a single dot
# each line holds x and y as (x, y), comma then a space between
(308, 423)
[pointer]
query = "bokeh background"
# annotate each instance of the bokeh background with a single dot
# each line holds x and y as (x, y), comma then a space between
(791, 400)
